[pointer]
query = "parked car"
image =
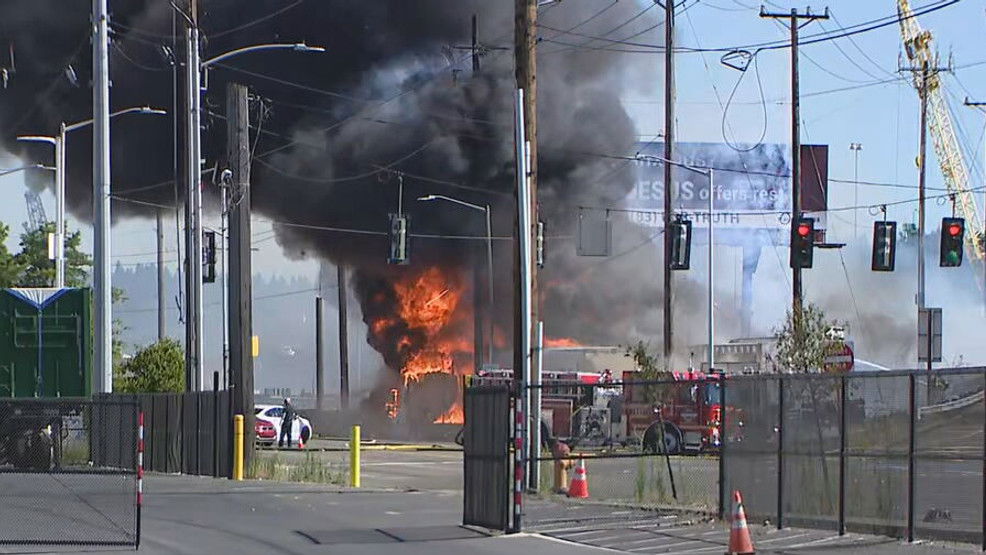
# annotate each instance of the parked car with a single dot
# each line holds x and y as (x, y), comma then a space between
(268, 425)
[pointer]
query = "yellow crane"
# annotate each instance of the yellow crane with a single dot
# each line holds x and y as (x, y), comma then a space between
(917, 46)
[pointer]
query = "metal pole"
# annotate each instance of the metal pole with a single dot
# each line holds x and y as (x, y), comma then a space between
(534, 480)
(319, 358)
(193, 252)
(60, 208)
(161, 303)
(842, 455)
(712, 272)
(910, 457)
(223, 260)
(343, 337)
(197, 220)
(489, 284)
(780, 452)
(102, 280)
(524, 348)
(723, 426)
(669, 6)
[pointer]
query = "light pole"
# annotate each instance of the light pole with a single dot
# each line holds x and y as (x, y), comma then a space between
(489, 261)
(193, 200)
(855, 148)
(711, 317)
(60, 146)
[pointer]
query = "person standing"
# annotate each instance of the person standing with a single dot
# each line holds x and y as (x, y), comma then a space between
(287, 422)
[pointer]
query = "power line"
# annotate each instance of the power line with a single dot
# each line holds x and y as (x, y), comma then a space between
(257, 21)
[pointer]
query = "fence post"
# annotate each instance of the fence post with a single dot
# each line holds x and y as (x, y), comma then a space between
(518, 459)
(842, 455)
(910, 456)
(215, 425)
(723, 439)
(780, 452)
(140, 473)
(238, 447)
(354, 453)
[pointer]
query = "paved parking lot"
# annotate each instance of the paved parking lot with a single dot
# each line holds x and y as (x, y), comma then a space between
(630, 531)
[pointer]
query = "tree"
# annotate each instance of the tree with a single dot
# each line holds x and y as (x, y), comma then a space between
(650, 369)
(157, 368)
(10, 268)
(37, 270)
(804, 342)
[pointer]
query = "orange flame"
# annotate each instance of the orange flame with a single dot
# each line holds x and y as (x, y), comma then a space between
(439, 329)
(561, 342)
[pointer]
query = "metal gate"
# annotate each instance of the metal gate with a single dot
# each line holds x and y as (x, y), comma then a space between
(486, 457)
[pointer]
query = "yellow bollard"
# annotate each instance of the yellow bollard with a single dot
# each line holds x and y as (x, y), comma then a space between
(354, 441)
(238, 447)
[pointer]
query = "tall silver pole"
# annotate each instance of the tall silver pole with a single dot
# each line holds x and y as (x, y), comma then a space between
(489, 284)
(712, 272)
(534, 482)
(193, 204)
(524, 238)
(60, 208)
(102, 284)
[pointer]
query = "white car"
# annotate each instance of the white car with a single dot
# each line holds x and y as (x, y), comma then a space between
(268, 425)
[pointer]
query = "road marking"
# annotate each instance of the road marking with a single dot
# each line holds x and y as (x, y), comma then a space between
(719, 547)
(814, 542)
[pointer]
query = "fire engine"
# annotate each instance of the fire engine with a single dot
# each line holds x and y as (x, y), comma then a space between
(591, 409)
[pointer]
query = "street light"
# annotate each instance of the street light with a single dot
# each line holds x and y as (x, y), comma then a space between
(489, 259)
(710, 173)
(195, 68)
(59, 144)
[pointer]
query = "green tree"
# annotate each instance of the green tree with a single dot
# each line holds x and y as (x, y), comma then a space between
(803, 341)
(650, 369)
(37, 270)
(157, 368)
(10, 268)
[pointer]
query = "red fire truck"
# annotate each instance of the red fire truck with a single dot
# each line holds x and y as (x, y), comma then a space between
(690, 410)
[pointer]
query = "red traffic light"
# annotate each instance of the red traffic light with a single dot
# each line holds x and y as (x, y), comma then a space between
(954, 229)
(804, 230)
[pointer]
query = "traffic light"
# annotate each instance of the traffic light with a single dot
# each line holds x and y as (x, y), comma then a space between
(209, 257)
(884, 246)
(399, 248)
(952, 239)
(681, 243)
(802, 242)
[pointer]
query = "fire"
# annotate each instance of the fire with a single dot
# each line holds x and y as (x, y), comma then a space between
(429, 329)
(455, 415)
(561, 342)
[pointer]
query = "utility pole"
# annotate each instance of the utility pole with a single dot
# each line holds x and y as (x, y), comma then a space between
(669, 110)
(161, 303)
(794, 23)
(926, 77)
(343, 338)
(981, 241)
(240, 267)
(319, 355)
(102, 279)
(193, 206)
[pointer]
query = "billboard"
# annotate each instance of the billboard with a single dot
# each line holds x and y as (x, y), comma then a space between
(752, 188)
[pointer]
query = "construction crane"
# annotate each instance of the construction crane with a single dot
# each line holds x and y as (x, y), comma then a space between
(36, 217)
(917, 46)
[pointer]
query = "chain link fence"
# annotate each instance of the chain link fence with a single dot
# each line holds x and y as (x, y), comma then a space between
(68, 472)
(892, 453)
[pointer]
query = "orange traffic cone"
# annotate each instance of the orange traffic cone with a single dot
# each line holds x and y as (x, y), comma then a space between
(739, 535)
(301, 441)
(580, 482)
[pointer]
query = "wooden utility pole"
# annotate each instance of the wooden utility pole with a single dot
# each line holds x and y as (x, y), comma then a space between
(669, 188)
(794, 23)
(525, 56)
(240, 267)
(343, 339)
